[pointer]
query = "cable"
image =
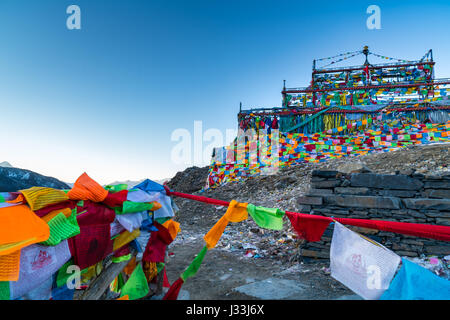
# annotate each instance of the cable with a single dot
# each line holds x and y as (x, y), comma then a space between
(416, 229)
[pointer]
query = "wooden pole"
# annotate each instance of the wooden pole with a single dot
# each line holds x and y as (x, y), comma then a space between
(98, 287)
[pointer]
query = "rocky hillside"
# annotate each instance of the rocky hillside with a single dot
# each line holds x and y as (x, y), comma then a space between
(14, 179)
(190, 180)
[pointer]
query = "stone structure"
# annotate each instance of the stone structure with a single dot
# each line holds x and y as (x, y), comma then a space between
(409, 197)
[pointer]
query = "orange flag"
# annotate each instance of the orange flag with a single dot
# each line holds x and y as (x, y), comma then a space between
(236, 212)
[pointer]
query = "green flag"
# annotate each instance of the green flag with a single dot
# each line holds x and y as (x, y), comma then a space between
(133, 207)
(62, 228)
(136, 287)
(62, 276)
(4, 290)
(116, 188)
(195, 265)
(268, 218)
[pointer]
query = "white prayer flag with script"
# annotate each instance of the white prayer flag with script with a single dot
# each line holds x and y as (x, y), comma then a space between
(363, 265)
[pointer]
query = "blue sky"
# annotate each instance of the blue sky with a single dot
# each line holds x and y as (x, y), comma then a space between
(105, 99)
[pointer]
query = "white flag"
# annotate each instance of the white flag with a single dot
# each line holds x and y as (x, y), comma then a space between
(364, 266)
(38, 263)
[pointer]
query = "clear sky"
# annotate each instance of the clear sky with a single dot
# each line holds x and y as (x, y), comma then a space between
(105, 99)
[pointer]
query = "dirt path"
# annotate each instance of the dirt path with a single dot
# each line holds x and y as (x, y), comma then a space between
(222, 272)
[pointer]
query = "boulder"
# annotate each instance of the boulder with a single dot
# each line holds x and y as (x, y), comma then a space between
(363, 201)
(385, 181)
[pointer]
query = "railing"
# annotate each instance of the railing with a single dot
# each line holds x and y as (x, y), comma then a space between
(399, 84)
(395, 106)
(373, 66)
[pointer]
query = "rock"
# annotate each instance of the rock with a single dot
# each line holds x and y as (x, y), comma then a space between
(438, 250)
(363, 230)
(443, 221)
(425, 204)
(437, 214)
(401, 246)
(325, 184)
(413, 242)
(315, 254)
(407, 172)
(383, 181)
(416, 214)
(437, 193)
(353, 167)
(363, 201)
(284, 182)
(324, 174)
(445, 184)
(352, 190)
(273, 289)
(346, 183)
(406, 253)
(304, 208)
(309, 200)
(319, 192)
(397, 193)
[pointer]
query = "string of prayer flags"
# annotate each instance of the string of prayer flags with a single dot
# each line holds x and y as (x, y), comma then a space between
(372, 134)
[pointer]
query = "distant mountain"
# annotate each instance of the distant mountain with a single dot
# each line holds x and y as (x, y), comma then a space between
(5, 164)
(131, 184)
(15, 179)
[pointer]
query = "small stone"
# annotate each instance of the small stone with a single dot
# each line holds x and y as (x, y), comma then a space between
(309, 200)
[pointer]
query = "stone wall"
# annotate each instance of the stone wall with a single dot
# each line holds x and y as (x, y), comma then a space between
(365, 195)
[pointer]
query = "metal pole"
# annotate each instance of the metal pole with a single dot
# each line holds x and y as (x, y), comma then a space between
(366, 53)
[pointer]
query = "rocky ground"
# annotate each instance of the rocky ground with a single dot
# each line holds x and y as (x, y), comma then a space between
(246, 254)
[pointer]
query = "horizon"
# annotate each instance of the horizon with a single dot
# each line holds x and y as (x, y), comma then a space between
(106, 99)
